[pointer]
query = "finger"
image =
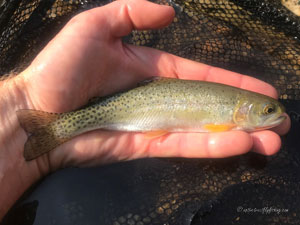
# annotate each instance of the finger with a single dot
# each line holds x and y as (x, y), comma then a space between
(201, 145)
(266, 142)
(164, 64)
(106, 146)
(140, 15)
(119, 18)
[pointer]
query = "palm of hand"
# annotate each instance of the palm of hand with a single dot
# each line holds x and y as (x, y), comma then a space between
(87, 58)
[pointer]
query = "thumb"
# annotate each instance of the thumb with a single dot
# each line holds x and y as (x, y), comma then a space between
(119, 18)
(137, 14)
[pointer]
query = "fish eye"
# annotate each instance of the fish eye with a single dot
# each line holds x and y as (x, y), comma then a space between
(268, 109)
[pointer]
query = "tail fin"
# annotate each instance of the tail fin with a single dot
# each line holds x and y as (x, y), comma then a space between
(41, 138)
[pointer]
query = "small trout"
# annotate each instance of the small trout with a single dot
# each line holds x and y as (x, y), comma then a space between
(157, 104)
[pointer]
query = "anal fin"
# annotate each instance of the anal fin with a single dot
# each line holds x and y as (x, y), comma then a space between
(155, 133)
(219, 127)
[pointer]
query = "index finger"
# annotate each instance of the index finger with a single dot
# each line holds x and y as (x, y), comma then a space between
(165, 64)
(218, 75)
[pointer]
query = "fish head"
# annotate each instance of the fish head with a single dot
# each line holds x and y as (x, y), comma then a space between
(261, 112)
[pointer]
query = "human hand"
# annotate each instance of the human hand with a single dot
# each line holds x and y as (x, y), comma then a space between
(87, 58)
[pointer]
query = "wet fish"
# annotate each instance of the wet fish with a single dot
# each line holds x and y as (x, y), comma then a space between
(156, 106)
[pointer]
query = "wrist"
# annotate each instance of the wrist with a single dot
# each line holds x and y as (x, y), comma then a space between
(16, 175)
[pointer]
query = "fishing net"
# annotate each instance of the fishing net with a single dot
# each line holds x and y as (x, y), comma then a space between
(255, 37)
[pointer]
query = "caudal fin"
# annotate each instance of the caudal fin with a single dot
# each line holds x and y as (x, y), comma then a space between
(41, 138)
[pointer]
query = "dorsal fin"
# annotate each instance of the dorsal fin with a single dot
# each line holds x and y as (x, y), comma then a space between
(149, 80)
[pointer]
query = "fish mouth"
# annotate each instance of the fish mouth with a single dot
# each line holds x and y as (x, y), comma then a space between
(273, 123)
